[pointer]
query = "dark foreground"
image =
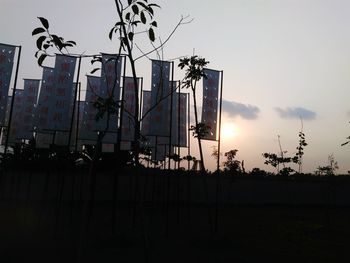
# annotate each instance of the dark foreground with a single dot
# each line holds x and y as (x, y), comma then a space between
(166, 229)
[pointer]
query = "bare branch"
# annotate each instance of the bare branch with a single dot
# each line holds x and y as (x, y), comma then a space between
(180, 23)
(142, 51)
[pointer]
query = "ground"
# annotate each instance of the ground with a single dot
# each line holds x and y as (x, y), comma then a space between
(50, 230)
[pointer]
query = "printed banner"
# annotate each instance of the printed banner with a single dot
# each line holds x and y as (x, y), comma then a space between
(16, 120)
(179, 127)
(160, 98)
(146, 116)
(110, 82)
(88, 129)
(46, 90)
(128, 125)
(210, 102)
(30, 94)
(60, 100)
(6, 65)
(77, 123)
(43, 140)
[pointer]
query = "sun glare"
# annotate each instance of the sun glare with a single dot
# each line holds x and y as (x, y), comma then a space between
(228, 131)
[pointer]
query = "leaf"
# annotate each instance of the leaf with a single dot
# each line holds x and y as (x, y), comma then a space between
(150, 10)
(153, 5)
(57, 41)
(46, 46)
(129, 2)
(94, 70)
(134, 23)
(44, 22)
(38, 30)
(154, 23)
(110, 35)
(127, 16)
(41, 59)
(345, 143)
(119, 23)
(124, 40)
(68, 45)
(71, 42)
(142, 4)
(131, 36)
(96, 59)
(40, 41)
(151, 35)
(143, 18)
(135, 9)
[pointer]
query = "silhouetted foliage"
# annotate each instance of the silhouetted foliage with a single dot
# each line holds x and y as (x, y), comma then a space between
(330, 169)
(194, 72)
(232, 165)
(47, 41)
(348, 141)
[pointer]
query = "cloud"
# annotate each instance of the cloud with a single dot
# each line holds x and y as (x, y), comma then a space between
(296, 113)
(234, 109)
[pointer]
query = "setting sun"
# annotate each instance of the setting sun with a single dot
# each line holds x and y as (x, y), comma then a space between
(228, 130)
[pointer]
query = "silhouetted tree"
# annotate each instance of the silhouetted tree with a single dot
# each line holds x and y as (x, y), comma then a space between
(194, 72)
(232, 165)
(348, 141)
(329, 169)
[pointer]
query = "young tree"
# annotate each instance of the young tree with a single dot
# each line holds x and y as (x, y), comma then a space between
(231, 164)
(329, 169)
(134, 18)
(348, 141)
(194, 67)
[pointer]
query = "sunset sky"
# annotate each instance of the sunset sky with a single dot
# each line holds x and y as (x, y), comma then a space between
(282, 59)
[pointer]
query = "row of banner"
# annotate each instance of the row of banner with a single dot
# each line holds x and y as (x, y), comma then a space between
(48, 109)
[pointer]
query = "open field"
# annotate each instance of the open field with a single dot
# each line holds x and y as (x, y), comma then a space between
(165, 219)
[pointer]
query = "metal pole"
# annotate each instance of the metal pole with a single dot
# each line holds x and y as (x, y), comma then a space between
(178, 125)
(78, 119)
(121, 110)
(74, 104)
(188, 129)
(12, 100)
(171, 111)
(220, 109)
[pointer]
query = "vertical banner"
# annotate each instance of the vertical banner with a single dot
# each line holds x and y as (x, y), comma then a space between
(62, 137)
(146, 116)
(7, 115)
(128, 125)
(110, 82)
(30, 94)
(77, 124)
(210, 102)
(6, 65)
(46, 90)
(60, 100)
(88, 129)
(179, 127)
(16, 116)
(160, 148)
(160, 98)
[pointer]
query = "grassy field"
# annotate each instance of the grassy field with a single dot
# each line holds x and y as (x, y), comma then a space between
(39, 225)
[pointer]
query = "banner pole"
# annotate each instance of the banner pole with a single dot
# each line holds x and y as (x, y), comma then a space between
(188, 130)
(120, 129)
(220, 110)
(12, 99)
(171, 112)
(178, 125)
(74, 104)
(78, 119)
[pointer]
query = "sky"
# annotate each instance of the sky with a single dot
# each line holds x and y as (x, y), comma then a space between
(282, 60)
